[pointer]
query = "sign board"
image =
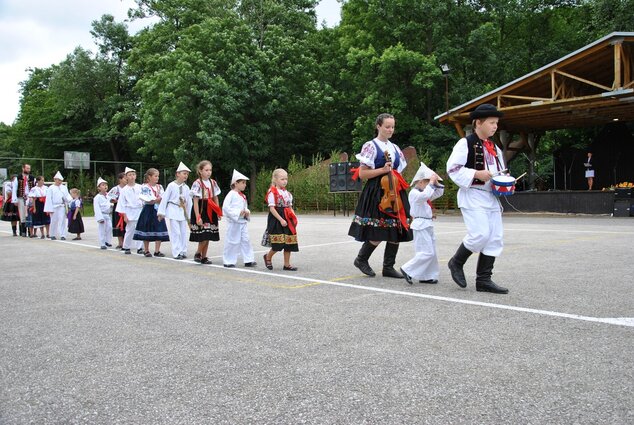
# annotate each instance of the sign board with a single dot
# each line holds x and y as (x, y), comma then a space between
(77, 160)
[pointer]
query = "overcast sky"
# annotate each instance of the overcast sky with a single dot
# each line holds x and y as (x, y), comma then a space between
(39, 33)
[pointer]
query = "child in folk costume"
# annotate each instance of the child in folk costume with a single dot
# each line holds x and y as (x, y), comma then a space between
(9, 209)
(236, 210)
(57, 198)
(40, 219)
(372, 222)
(424, 265)
(75, 223)
(118, 225)
(176, 205)
(103, 214)
(205, 212)
(130, 206)
(473, 162)
(149, 228)
(282, 221)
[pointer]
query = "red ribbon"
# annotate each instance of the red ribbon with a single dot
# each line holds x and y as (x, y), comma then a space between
(211, 205)
(291, 219)
(490, 147)
(355, 173)
(121, 223)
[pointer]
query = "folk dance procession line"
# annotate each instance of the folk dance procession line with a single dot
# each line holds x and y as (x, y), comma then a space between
(618, 321)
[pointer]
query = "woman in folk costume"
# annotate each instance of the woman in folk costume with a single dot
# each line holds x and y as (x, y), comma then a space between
(103, 214)
(282, 222)
(57, 199)
(236, 210)
(41, 220)
(424, 265)
(118, 225)
(473, 162)
(149, 227)
(205, 213)
(9, 209)
(373, 223)
(176, 206)
(130, 206)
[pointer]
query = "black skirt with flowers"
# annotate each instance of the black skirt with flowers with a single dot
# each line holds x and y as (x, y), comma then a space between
(370, 224)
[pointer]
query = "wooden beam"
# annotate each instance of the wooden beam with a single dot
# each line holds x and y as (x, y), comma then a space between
(583, 80)
(459, 129)
(553, 86)
(510, 96)
(618, 51)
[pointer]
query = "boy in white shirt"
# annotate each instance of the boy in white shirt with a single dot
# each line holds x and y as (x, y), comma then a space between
(57, 198)
(424, 265)
(103, 214)
(176, 204)
(236, 210)
(130, 206)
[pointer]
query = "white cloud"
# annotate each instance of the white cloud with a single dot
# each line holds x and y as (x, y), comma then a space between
(39, 33)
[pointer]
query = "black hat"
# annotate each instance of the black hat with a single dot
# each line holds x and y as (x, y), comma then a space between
(484, 111)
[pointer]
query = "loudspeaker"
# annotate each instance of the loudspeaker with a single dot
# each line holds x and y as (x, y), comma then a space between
(352, 185)
(341, 177)
(338, 183)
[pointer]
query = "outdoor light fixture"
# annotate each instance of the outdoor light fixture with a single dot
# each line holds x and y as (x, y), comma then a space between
(445, 71)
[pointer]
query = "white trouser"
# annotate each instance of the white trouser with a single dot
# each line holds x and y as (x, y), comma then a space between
(105, 230)
(128, 242)
(22, 210)
(484, 231)
(237, 242)
(424, 265)
(178, 237)
(57, 227)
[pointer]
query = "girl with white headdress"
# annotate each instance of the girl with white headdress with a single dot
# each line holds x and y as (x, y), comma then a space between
(103, 214)
(236, 210)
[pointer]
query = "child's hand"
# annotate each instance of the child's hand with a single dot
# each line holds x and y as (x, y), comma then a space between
(100, 221)
(159, 217)
(284, 223)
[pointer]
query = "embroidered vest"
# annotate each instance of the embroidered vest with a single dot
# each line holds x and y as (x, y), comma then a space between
(21, 187)
(475, 157)
(380, 159)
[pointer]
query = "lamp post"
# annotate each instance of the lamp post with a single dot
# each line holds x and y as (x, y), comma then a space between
(445, 71)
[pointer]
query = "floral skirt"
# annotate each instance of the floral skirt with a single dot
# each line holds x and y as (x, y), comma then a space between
(282, 239)
(10, 212)
(370, 224)
(209, 229)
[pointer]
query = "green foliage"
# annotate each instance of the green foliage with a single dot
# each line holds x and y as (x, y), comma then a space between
(255, 84)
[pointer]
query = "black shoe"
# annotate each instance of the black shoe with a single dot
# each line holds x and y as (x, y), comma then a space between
(391, 272)
(205, 260)
(198, 257)
(104, 247)
(492, 287)
(147, 254)
(290, 268)
(53, 238)
(432, 281)
(251, 264)
(127, 252)
(109, 245)
(229, 266)
(159, 254)
(364, 266)
(62, 238)
(484, 272)
(407, 277)
(140, 251)
(179, 257)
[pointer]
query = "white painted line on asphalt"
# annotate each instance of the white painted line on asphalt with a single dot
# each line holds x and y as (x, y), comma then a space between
(620, 321)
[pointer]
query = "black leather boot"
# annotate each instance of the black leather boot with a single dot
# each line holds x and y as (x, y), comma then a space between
(484, 273)
(389, 259)
(361, 262)
(23, 230)
(456, 263)
(15, 229)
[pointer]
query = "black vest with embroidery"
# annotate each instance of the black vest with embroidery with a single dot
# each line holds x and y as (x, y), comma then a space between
(30, 182)
(475, 156)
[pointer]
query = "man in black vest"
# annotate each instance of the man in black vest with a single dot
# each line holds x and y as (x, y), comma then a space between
(474, 161)
(22, 184)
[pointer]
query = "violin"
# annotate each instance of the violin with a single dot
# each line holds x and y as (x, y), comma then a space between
(391, 201)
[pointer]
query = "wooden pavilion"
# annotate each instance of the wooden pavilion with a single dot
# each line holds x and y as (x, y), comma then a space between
(592, 86)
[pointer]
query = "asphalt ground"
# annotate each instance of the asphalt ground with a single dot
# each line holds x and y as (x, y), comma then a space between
(92, 336)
